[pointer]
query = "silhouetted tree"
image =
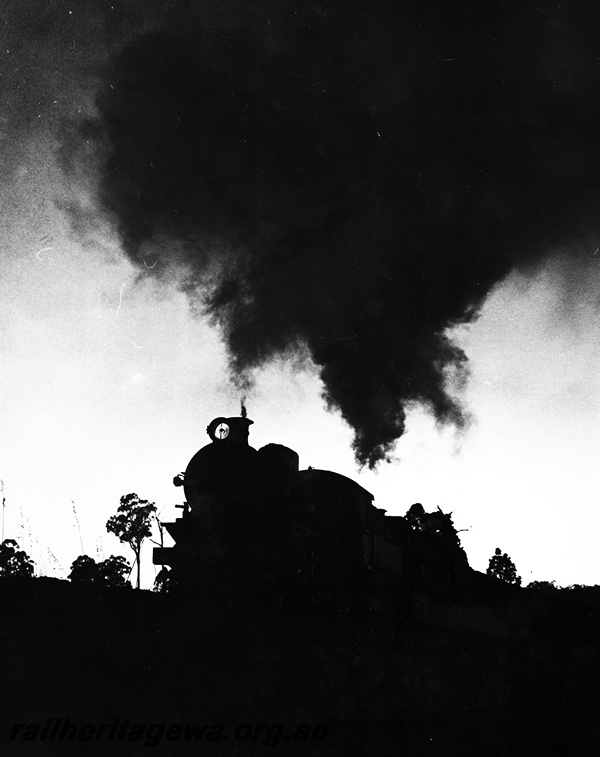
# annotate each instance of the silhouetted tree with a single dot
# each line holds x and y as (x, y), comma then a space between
(162, 582)
(132, 524)
(112, 572)
(502, 567)
(84, 568)
(14, 562)
(438, 523)
(414, 516)
(545, 586)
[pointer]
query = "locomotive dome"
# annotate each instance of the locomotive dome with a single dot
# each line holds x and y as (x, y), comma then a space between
(226, 460)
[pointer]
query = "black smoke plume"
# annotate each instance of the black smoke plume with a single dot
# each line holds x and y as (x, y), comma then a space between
(353, 178)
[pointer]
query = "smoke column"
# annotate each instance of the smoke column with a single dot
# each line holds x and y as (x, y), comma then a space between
(352, 179)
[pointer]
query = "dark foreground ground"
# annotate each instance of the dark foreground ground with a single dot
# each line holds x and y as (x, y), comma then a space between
(489, 670)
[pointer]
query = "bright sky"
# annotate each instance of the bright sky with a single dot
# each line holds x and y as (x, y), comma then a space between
(108, 384)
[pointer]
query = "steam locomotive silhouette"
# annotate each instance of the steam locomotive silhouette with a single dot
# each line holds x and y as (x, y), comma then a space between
(254, 512)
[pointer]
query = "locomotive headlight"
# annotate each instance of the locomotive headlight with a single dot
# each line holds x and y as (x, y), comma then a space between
(222, 431)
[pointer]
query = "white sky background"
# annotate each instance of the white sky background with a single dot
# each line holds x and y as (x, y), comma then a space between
(108, 383)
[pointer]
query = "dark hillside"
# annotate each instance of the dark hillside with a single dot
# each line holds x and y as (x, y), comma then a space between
(495, 671)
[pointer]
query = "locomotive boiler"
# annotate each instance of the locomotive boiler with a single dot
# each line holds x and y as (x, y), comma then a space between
(256, 513)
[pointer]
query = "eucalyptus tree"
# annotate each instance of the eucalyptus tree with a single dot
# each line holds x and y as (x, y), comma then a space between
(132, 523)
